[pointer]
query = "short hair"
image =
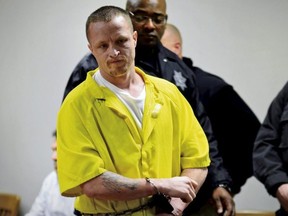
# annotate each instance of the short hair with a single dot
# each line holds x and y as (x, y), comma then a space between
(54, 133)
(106, 14)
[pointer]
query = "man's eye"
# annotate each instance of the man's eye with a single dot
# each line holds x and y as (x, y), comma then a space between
(102, 46)
(140, 18)
(159, 19)
(121, 41)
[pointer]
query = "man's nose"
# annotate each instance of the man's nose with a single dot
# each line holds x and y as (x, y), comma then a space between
(149, 23)
(54, 155)
(114, 52)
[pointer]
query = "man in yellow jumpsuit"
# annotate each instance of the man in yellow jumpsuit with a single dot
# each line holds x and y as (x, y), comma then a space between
(126, 139)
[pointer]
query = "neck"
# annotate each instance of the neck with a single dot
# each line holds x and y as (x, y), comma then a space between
(131, 82)
(142, 50)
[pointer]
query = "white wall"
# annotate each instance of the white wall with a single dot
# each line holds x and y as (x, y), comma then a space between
(41, 42)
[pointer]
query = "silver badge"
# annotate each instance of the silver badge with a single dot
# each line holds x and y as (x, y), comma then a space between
(180, 81)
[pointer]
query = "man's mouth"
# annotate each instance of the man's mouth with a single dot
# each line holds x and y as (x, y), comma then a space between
(116, 61)
(149, 36)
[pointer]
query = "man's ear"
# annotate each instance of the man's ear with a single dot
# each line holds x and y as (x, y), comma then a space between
(135, 37)
(90, 48)
(178, 45)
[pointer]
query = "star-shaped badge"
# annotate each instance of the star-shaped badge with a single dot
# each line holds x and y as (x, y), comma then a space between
(180, 81)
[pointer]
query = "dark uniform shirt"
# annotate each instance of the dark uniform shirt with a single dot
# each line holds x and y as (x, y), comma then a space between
(234, 124)
(270, 154)
(271, 145)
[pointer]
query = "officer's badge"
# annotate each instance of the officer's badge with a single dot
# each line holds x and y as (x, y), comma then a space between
(180, 81)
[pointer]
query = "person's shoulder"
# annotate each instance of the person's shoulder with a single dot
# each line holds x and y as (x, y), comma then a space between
(157, 81)
(160, 82)
(283, 94)
(165, 87)
(87, 63)
(51, 179)
(285, 87)
(172, 64)
(88, 58)
(201, 74)
(52, 175)
(208, 80)
(82, 91)
(168, 54)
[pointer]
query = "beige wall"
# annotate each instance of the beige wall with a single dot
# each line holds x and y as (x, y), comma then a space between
(41, 41)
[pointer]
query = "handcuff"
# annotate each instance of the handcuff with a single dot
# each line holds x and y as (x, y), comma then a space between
(225, 186)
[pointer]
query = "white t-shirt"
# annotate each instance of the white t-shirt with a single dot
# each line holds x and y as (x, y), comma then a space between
(50, 202)
(134, 104)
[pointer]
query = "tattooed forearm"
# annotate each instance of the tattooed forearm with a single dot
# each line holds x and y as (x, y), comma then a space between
(117, 183)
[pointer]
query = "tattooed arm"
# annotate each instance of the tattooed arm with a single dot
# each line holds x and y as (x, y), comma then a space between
(111, 186)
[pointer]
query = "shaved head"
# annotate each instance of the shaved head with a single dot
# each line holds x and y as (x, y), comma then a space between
(136, 3)
(172, 39)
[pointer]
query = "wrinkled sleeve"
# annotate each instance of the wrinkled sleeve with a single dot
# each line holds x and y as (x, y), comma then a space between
(271, 145)
(195, 148)
(77, 158)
